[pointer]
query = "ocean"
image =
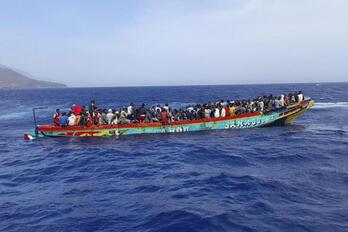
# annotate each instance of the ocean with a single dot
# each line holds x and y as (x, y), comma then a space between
(292, 178)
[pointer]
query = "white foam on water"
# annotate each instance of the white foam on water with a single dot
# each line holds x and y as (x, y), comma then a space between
(24, 114)
(16, 115)
(328, 105)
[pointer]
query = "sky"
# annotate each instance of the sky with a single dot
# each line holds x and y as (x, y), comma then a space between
(86, 43)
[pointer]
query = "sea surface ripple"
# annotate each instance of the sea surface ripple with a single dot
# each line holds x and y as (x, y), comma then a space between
(292, 178)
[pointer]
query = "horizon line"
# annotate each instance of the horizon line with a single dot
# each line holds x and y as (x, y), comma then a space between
(178, 85)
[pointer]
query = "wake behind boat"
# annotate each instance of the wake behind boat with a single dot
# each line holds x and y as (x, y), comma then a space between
(260, 112)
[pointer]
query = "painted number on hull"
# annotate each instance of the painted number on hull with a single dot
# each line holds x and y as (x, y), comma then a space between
(241, 124)
(178, 129)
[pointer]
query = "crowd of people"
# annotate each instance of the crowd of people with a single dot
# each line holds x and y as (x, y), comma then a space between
(83, 116)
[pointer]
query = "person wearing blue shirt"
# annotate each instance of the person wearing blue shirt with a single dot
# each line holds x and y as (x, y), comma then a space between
(64, 120)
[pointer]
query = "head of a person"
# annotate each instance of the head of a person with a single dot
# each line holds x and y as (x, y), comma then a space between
(110, 111)
(63, 114)
(57, 111)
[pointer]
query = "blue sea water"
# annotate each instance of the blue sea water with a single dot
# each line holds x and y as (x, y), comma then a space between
(292, 178)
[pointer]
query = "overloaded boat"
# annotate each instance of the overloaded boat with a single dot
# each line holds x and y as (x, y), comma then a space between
(242, 121)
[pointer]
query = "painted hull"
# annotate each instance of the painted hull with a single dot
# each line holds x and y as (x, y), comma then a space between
(250, 120)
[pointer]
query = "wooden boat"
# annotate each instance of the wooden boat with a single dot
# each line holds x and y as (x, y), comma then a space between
(250, 120)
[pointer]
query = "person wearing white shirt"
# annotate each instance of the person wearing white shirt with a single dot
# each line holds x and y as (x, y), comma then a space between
(115, 120)
(300, 96)
(166, 107)
(217, 113)
(130, 110)
(261, 105)
(109, 116)
(158, 108)
(72, 120)
(282, 101)
(207, 112)
(223, 112)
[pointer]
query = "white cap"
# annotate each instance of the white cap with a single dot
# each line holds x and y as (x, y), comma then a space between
(110, 110)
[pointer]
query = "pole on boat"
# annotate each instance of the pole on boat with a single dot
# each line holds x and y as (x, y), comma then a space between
(34, 116)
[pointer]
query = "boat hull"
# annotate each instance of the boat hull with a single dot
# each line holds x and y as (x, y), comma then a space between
(250, 120)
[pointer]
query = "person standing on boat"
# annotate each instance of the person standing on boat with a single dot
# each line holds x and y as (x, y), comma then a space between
(109, 117)
(97, 117)
(282, 101)
(56, 118)
(130, 109)
(300, 96)
(164, 116)
(92, 108)
(142, 113)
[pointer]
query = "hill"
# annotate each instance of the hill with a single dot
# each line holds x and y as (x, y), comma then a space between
(13, 79)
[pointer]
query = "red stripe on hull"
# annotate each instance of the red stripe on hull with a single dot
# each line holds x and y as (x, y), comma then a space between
(50, 128)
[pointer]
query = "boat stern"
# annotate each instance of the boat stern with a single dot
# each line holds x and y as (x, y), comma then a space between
(28, 137)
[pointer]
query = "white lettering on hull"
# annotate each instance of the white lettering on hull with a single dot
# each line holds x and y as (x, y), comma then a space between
(178, 129)
(241, 124)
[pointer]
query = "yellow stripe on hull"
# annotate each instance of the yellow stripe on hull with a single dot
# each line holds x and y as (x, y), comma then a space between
(293, 116)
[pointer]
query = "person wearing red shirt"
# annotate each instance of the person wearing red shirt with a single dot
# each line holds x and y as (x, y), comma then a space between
(164, 116)
(56, 118)
(77, 110)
